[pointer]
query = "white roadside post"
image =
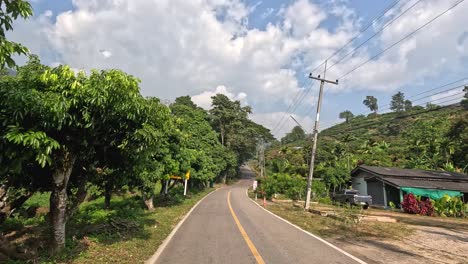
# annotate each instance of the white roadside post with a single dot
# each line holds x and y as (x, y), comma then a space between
(187, 177)
(254, 187)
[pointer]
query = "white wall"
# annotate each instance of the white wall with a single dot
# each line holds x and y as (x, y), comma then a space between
(360, 184)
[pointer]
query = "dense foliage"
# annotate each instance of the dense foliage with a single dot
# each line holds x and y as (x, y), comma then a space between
(9, 11)
(434, 138)
(66, 133)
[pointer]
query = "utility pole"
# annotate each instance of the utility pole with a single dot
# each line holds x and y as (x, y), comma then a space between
(316, 126)
(262, 158)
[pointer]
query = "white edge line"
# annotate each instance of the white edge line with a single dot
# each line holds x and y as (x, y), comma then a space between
(166, 241)
(307, 232)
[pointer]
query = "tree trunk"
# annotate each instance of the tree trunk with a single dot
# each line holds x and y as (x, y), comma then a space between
(107, 197)
(58, 200)
(224, 178)
(222, 134)
(148, 199)
(79, 198)
(163, 188)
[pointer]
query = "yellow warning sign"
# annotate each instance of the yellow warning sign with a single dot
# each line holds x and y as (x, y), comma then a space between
(187, 176)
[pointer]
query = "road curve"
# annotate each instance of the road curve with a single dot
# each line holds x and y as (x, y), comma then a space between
(238, 231)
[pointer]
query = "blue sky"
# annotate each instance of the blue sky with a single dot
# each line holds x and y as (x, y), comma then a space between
(258, 52)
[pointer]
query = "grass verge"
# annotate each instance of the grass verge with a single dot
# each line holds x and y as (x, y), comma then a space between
(124, 233)
(338, 227)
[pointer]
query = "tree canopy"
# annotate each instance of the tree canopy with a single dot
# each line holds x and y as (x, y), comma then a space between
(296, 134)
(398, 102)
(371, 103)
(64, 132)
(9, 11)
(346, 115)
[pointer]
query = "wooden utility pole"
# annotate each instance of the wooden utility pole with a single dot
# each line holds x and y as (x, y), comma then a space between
(316, 126)
(262, 158)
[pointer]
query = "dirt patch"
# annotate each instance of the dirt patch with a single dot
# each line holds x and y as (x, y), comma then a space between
(427, 244)
(412, 239)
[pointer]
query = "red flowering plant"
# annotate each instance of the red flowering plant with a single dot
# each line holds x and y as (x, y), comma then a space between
(412, 205)
(426, 207)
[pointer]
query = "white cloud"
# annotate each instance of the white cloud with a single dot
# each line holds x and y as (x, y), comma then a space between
(204, 99)
(449, 97)
(267, 12)
(48, 13)
(106, 53)
(179, 47)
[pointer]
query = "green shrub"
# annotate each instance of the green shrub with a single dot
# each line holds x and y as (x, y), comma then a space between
(449, 206)
(281, 183)
(325, 200)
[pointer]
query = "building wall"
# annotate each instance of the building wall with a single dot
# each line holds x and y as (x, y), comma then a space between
(360, 184)
(375, 189)
(393, 195)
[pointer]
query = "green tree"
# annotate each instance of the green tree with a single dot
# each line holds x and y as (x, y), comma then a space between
(72, 127)
(371, 103)
(9, 11)
(464, 102)
(211, 159)
(408, 105)
(296, 134)
(458, 136)
(237, 132)
(431, 106)
(398, 102)
(347, 115)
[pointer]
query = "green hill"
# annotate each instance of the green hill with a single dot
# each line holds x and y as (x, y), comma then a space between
(434, 138)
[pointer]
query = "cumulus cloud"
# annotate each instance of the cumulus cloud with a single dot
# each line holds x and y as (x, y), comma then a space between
(204, 99)
(179, 47)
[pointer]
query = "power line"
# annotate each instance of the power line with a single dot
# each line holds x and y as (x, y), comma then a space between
(335, 133)
(296, 100)
(413, 96)
(401, 40)
(295, 107)
(353, 51)
(372, 123)
(358, 34)
(433, 89)
(421, 104)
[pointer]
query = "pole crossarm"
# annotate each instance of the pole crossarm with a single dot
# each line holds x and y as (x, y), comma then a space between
(322, 80)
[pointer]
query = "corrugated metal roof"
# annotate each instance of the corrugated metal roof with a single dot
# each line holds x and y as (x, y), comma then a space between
(428, 184)
(412, 173)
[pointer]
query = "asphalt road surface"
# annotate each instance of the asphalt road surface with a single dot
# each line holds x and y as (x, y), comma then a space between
(227, 227)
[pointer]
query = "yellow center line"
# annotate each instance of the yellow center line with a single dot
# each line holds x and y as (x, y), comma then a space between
(244, 234)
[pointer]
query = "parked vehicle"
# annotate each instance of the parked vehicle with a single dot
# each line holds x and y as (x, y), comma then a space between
(352, 197)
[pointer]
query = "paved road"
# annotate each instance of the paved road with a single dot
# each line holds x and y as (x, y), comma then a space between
(248, 234)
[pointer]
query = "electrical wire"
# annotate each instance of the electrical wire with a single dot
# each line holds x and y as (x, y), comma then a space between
(401, 40)
(353, 51)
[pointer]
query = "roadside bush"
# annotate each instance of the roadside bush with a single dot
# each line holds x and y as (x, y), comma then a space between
(325, 200)
(319, 189)
(426, 207)
(415, 205)
(410, 204)
(280, 183)
(449, 206)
